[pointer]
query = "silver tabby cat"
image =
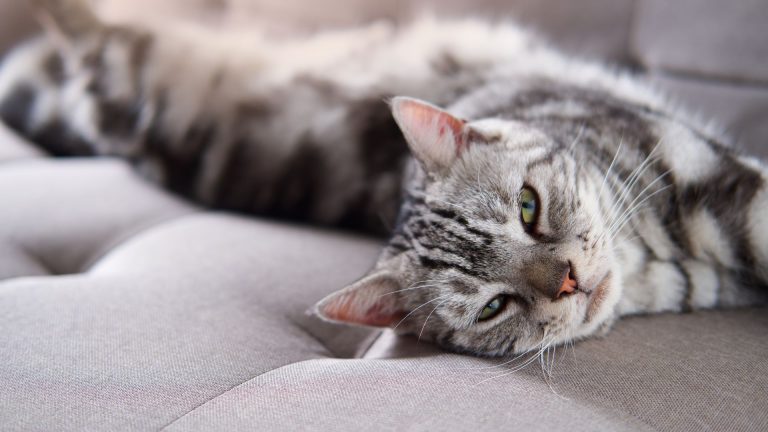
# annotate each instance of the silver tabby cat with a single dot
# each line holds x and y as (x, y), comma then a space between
(548, 198)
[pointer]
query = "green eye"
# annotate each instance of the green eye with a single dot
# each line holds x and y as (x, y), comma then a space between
(492, 308)
(529, 207)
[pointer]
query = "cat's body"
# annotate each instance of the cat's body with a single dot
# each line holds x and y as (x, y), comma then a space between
(637, 207)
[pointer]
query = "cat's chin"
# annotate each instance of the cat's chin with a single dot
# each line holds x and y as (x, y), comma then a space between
(596, 298)
(599, 304)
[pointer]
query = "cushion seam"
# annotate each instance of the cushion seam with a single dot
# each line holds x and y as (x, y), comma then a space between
(240, 384)
(130, 235)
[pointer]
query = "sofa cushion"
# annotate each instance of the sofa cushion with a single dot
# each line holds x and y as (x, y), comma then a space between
(701, 371)
(60, 216)
(172, 318)
(199, 323)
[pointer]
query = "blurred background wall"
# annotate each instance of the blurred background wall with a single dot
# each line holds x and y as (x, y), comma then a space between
(712, 55)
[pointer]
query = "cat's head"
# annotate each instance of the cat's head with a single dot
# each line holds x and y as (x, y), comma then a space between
(501, 245)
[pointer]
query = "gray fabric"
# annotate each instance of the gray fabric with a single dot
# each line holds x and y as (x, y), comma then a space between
(420, 394)
(58, 216)
(168, 320)
(696, 372)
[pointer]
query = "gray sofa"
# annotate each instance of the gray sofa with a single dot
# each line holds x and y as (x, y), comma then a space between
(125, 308)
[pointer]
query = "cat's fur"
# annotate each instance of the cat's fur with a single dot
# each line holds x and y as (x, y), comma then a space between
(643, 207)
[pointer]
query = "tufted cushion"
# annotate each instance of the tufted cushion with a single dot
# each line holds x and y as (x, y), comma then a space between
(59, 216)
(697, 372)
(137, 311)
(169, 319)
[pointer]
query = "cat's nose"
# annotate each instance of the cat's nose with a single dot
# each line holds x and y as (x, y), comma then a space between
(568, 285)
(554, 281)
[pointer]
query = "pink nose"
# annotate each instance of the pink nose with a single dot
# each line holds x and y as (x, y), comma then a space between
(568, 286)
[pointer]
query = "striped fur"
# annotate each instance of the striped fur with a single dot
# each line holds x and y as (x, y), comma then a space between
(650, 210)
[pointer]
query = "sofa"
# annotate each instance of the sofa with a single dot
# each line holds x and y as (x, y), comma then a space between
(123, 307)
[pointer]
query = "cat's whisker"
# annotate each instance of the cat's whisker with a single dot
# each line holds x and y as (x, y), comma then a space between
(625, 239)
(578, 137)
(633, 210)
(554, 358)
(534, 355)
(427, 319)
(619, 190)
(418, 285)
(630, 209)
(551, 353)
(644, 190)
(622, 195)
(419, 307)
(605, 178)
(527, 362)
(548, 375)
(501, 364)
(626, 186)
(637, 211)
(428, 197)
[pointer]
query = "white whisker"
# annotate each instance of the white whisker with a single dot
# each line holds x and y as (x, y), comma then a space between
(427, 319)
(419, 307)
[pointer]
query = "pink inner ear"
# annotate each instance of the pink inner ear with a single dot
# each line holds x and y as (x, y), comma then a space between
(369, 301)
(347, 309)
(435, 136)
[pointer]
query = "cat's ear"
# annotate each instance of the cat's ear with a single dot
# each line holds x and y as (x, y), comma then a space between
(67, 20)
(435, 137)
(372, 301)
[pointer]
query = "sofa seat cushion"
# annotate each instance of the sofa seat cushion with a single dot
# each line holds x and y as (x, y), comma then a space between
(124, 308)
(169, 319)
(59, 216)
(695, 372)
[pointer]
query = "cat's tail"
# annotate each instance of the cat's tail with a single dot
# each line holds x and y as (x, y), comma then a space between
(52, 88)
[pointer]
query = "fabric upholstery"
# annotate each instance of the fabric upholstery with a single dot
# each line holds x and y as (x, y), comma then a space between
(197, 321)
(168, 320)
(696, 372)
(59, 216)
(125, 308)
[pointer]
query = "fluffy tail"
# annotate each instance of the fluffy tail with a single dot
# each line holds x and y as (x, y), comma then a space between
(189, 122)
(52, 90)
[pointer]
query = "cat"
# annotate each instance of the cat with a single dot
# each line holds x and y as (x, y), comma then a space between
(529, 198)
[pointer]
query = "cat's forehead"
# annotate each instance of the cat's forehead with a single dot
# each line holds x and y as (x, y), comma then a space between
(507, 154)
(510, 134)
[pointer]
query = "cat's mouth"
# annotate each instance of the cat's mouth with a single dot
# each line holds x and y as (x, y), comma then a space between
(596, 296)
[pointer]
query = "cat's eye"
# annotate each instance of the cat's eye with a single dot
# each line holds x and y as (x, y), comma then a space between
(492, 308)
(529, 207)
